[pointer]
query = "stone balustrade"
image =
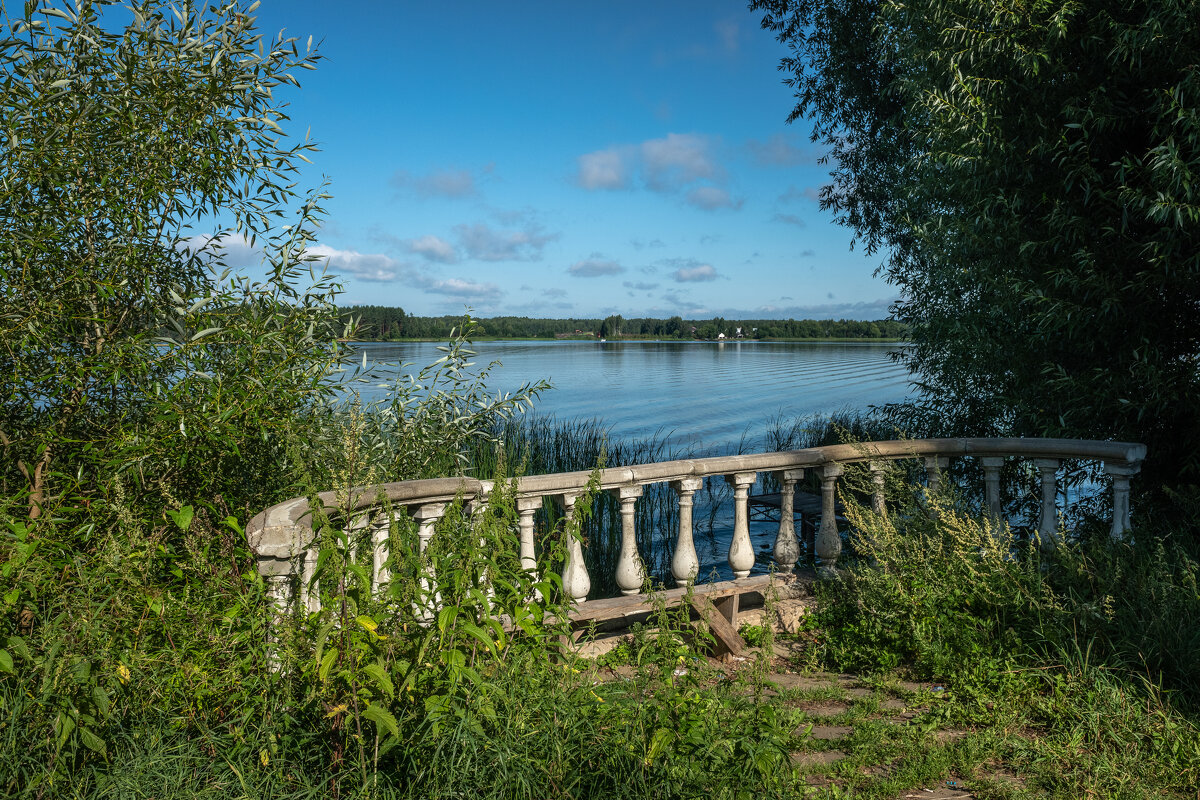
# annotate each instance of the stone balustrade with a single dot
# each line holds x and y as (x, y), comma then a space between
(282, 536)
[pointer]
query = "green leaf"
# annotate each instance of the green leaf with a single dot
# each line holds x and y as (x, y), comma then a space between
(658, 743)
(327, 664)
(6, 661)
(480, 635)
(382, 679)
(92, 741)
(383, 719)
(446, 617)
(183, 517)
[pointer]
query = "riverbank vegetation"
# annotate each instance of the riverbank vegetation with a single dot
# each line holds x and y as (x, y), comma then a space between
(152, 402)
(384, 324)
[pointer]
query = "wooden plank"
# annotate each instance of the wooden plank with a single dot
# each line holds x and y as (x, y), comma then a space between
(803, 502)
(625, 606)
(727, 639)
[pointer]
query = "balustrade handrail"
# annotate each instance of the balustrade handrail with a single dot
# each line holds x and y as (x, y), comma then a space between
(280, 535)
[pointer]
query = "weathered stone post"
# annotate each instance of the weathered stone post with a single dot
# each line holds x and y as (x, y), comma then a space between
(526, 506)
(933, 472)
(878, 476)
(685, 564)
(630, 572)
(741, 550)
(829, 541)
(1121, 473)
(576, 581)
(427, 516)
(310, 595)
(787, 547)
(991, 484)
(380, 549)
(1048, 529)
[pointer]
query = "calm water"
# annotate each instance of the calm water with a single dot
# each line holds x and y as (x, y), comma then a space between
(705, 394)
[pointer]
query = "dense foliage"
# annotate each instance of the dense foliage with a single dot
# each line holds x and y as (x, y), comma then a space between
(132, 365)
(1031, 173)
(150, 402)
(384, 323)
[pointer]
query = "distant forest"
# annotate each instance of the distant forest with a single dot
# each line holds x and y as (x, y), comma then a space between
(384, 323)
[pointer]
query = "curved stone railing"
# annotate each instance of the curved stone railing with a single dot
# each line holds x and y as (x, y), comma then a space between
(281, 536)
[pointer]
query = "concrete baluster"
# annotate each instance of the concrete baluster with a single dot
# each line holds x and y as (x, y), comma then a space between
(933, 472)
(829, 541)
(1048, 529)
(630, 572)
(380, 548)
(526, 506)
(475, 509)
(991, 484)
(685, 564)
(878, 476)
(279, 594)
(576, 581)
(787, 547)
(1121, 473)
(427, 516)
(741, 550)
(310, 596)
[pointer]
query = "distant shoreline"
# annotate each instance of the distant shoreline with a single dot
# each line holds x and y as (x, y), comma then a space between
(635, 339)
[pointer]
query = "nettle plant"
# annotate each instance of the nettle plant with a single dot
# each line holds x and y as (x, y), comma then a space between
(432, 647)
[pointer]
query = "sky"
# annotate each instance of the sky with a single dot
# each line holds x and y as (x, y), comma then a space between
(567, 160)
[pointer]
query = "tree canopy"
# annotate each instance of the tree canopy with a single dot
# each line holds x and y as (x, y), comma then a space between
(1030, 174)
(135, 141)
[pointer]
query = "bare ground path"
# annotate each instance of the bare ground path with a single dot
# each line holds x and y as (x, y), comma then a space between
(884, 738)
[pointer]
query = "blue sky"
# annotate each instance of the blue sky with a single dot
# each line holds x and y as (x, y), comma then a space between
(567, 159)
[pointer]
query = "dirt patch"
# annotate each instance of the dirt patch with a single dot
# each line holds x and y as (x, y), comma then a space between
(802, 681)
(830, 733)
(952, 789)
(1001, 776)
(859, 692)
(949, 735)
(893, 704)
(824, 708)
(816, 758)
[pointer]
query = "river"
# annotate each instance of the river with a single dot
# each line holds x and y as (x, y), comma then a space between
(706, 395)
(710, 399)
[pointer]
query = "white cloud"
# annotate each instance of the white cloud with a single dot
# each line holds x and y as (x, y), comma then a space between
(810, 193)
(869, 309)
(555, 292)
(364, 266)
(777, 151)
(667, 165)
(594, 267)
(457, 287)
(452, 183)
(485, 244)
(702, 272)
(729, 33)
(677, 160)
(640, 286)
(433, 248)
(790, 219)
(638, 244)
(235, 250)
(605, 169)
(710, 198)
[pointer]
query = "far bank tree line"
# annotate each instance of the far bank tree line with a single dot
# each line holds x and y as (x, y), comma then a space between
(384, 323)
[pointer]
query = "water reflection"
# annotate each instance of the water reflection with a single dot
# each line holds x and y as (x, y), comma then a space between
(707, 393)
